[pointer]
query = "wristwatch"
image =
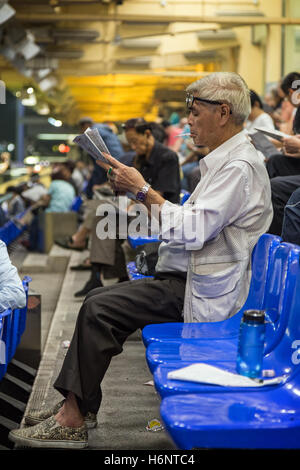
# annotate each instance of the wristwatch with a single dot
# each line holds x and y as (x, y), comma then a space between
(142, 193)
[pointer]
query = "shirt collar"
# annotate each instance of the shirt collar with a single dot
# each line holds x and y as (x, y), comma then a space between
(212, 159)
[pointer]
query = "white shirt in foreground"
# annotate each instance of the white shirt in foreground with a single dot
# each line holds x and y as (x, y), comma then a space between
(232, 194)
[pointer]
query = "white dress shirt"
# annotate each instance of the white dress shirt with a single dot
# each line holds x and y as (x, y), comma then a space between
(233, 198)
(263, 120)
(12, 294)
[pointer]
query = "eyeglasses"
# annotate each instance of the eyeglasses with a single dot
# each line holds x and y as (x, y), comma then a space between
(190, 98)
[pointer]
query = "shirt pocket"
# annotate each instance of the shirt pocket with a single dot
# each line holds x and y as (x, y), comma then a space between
(216, 285)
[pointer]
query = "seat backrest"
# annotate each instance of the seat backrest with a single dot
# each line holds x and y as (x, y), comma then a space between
(281, 285)
(287, 352)
(262, 259)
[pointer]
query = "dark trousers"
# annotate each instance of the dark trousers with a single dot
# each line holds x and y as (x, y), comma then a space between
(280, 165)
(107, 317)
(291, 221)
(282, 188)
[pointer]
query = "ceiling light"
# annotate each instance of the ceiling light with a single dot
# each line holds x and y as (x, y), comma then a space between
(6, 12)
(47, 83)
(30, 101)
(27, 47)
(54, 122)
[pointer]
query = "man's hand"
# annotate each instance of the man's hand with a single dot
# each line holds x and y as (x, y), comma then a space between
(122, 177)
(291, 146)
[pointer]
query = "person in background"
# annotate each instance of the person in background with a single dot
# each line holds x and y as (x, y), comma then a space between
(12, 294)
(291, 220)
(258, 117)
(61, 192)
(282, 187)
(16, 204)
(273, 101)
(287, 163)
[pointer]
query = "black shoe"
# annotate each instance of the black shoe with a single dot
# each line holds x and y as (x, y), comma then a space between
(90, 285)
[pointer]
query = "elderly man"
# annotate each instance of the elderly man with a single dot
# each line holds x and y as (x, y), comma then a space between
(210, 239)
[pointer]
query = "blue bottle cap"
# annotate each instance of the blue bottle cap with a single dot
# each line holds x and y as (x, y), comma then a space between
(254, 316)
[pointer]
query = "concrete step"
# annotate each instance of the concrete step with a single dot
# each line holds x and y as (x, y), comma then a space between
(55, 261)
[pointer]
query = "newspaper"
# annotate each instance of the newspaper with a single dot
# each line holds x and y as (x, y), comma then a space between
(92, 142)
(206, 373)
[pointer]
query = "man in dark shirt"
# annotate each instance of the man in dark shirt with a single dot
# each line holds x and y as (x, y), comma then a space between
(157, 163)
(160, 167)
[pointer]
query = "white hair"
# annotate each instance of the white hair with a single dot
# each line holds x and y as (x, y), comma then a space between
(227, 87)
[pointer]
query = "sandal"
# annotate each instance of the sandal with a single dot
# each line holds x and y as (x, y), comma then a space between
(68, 244)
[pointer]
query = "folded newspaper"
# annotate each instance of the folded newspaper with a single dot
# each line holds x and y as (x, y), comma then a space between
(92, 142)
(205, 373)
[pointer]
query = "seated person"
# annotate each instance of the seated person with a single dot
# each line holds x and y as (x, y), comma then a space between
(16, 203)
(12, 294)
(61, 191)
(282, 187)
(258, 117)
(291, 221)
(286, 163)
(189, 284)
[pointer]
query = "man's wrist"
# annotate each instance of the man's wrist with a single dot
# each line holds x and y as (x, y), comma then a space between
(141, 194)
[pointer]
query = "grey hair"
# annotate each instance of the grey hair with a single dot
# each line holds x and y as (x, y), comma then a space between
(227, 87)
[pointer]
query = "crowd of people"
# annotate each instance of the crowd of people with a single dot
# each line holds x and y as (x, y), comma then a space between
(242, 185)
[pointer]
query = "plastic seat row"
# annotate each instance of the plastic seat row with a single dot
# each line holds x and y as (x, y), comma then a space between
(199, 415)
(12, 327)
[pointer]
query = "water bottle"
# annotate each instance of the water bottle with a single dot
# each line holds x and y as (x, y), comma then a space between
(251, 343)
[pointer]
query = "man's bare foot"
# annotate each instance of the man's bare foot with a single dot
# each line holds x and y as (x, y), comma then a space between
(69, 414)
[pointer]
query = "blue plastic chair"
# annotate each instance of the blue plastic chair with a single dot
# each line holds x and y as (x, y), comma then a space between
(253, 418)
(261, 261)
(76, 204)
(18, 322)
(184, 196)
(5, 336)
(134, 242)
(279, 287)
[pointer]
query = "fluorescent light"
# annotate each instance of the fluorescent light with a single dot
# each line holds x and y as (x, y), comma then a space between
(47, 83)
(56, 136)
(54, 122)
(30, 101)
(6, 12)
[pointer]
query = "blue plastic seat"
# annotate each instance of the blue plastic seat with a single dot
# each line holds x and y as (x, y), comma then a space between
(18, 322)
(261, 261)
(262, 420)
(134, 242)
(253, 418)
(184, 196)
(279, 288)
(76, 204)
(5, 336)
